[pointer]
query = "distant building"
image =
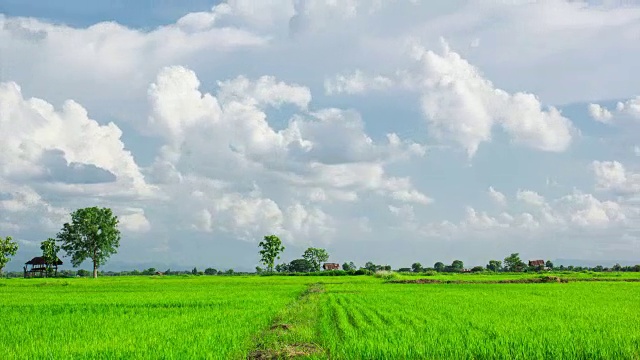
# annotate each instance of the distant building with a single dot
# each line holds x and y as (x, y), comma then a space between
(536, 263)
(331, 266)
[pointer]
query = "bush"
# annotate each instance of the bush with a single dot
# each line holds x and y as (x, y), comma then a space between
(386, 274)
(431, 273)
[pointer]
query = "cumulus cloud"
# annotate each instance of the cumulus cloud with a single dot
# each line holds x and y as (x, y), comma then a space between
(612, 175)
(62, 145)
(215, 142)
(497, 196)
(625, 111)
(462, 106)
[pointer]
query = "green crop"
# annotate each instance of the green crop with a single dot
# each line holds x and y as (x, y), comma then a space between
(235, 317)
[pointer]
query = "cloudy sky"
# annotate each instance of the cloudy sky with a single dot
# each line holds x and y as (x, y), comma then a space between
(385, 131)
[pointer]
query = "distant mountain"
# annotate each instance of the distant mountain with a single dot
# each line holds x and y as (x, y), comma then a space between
(594, 263)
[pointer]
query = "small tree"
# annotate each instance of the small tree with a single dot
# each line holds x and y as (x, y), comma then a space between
(371, 266)
(349, 266)
(93, 234)
(271, 249)
(416, 267)
(210, 271)
(549, 265)
(513, 263)
(315, 257)
(494, 265)
(457, 265)
(50, 254)
(439, 266)
(8, 248)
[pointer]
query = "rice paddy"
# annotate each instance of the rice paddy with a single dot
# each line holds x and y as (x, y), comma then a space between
(239, 317)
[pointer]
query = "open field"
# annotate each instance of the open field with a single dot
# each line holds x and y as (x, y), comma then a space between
(340, 317)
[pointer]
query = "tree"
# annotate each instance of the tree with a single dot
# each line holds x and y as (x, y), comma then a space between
(349, 266)
(416, 267)
(301, 265)
(477, 269)
(315, 256)
(194, 271)
(370, 266)
(494, 265)
(457, 265)
(83, 272)
(271, 249)
(439, 266)
(282, 268)
(50, 254)
(8, 248)
(513, 263)
(93, 234)
(549, 264)
(210, 271)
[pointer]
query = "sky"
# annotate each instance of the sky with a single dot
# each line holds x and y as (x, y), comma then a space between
(385, 131)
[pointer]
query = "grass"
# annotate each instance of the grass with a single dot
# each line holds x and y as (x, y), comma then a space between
(317, 318)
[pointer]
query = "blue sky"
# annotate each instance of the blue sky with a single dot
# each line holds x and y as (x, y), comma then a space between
(391, 132)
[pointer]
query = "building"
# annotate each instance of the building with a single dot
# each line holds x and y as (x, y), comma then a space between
(38, 266)
(536, 263)
(331, 266)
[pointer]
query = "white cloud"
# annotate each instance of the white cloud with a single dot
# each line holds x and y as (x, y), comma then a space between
(612, 175)
(135, 221)
(599, 113)
(497, 196)
(41, 142)
(625, 111)
(530, 197)
(462, 106)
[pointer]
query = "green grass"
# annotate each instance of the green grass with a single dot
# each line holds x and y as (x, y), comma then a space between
(583, 320)
(319, 317)
(138, 317)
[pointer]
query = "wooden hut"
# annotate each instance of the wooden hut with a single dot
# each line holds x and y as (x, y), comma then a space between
(331, 266)
(38, 266)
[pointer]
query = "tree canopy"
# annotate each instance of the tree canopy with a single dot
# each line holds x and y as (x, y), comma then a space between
(92, 234)
(49, 253)
(8, 248)
(271, 249)
(315, 257)
(513, 263)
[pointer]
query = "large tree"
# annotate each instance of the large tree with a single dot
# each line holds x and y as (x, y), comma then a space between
(50, 253)
(271, 249)
(300, 265)
(92, 234)
(513, 263)
(315, 256)
(8, 248)
(494, 265)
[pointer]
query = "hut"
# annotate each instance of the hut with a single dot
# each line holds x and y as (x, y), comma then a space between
(38, 265)
(331, 266)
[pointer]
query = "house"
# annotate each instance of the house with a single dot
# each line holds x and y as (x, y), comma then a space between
(536, 263)
(331, 266)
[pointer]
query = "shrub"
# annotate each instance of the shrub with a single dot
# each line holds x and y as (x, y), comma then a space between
(386, 274)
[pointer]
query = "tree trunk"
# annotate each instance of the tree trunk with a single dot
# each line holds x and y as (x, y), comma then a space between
(95, 263)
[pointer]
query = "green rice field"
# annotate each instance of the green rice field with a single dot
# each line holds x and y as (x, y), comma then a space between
(342, 317)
